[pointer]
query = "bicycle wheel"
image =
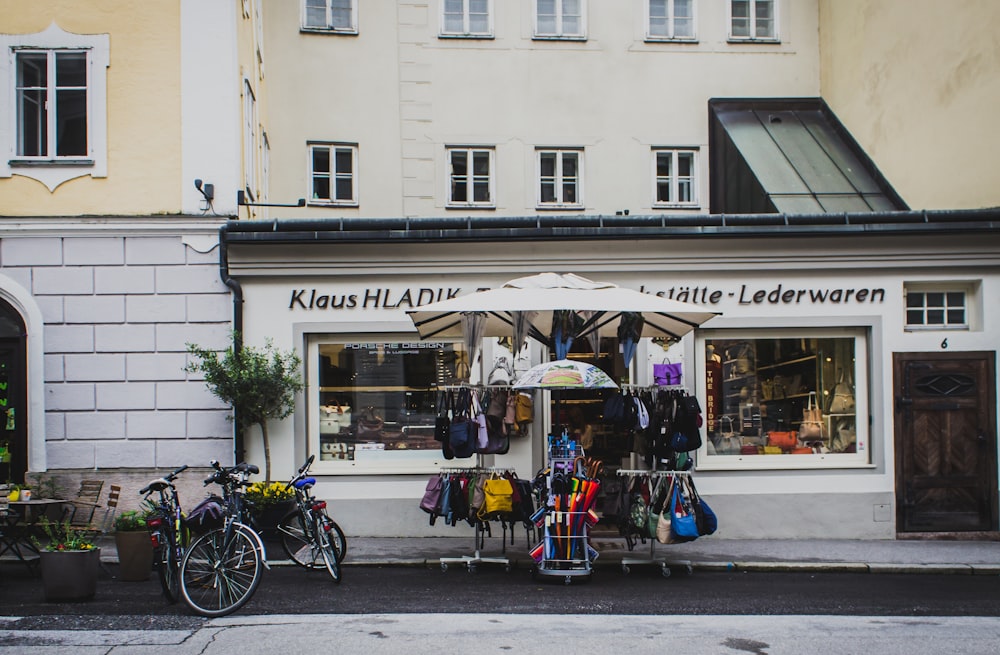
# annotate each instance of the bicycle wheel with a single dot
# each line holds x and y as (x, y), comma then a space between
(220, 573)
(325, 542)
(337, 538)
(168, 566)
(296, 539)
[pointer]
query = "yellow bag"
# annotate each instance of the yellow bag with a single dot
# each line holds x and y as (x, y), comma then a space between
(524, 410)
(498, 497)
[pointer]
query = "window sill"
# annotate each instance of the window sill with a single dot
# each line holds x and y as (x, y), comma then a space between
(38, 163)
(936, 328)
(754, 41)
(556, 37)
(670, 39)
(678, 206)
(329, 30)
(472, 207)
(544, 208)
(329, 203)
(474, 37)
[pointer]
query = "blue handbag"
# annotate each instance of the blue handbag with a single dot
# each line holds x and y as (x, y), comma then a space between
(683, 524)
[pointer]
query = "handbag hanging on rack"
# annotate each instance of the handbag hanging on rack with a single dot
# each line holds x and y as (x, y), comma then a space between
(668, 373)
(812, 420)
(842, 396)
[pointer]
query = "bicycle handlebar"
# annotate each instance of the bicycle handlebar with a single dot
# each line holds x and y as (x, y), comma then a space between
(302, 472)
(165, 480)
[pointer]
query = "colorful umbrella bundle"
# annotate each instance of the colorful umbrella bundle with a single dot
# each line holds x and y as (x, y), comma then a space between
(572, 508)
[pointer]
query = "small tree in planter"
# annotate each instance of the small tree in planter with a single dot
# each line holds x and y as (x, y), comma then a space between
(135, 550)
(258, 383)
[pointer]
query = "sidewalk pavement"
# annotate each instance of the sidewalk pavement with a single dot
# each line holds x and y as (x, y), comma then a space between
(972, 557)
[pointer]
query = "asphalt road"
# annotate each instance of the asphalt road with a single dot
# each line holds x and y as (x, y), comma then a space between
(288, 590)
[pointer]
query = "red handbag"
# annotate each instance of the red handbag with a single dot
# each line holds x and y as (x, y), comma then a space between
(749, 450)
(783, 440)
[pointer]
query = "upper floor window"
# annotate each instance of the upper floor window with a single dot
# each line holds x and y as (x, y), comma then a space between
(251, 150)
(565, 19)
(471, 177)
(472, 18)
(55, 93)
(333, 178)
(51, 97)
(674, 177)
(330, 15)
(560, 179)
(671, 19)
(753, 20)
(936, 307)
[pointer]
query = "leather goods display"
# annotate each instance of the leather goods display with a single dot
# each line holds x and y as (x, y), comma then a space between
(783, 440)
(668, 373)
(842, 396)
(812, 420)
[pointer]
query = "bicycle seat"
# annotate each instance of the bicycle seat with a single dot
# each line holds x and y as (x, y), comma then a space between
(305, 483)
(155, 485)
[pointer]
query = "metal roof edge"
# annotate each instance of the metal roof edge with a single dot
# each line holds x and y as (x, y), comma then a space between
(596, 227)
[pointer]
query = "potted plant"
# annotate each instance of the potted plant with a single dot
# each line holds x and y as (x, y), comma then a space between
(69, 561)
(135, 550)
(258, 383)
(270, 503)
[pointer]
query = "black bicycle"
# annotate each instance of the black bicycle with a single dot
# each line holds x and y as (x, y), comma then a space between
(309, 536)
(166, 531)
(222, 568)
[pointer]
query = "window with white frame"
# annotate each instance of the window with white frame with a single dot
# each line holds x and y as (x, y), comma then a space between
(785, 398)
(560, 19)
(674, 178)
(936, 307)
(250, 148)
(670, 20)
(560, 178)
(54, 91)
(470, 177)
(333, 178)
(330, 16)
(753, 20)
(472, 18)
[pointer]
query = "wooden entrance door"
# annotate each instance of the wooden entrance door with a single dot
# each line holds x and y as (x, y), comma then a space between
(945, 442)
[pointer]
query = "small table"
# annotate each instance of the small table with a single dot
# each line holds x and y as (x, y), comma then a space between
(20, 522)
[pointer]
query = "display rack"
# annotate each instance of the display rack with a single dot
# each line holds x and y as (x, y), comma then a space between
(472, 561)
(565, 551)
(665, 565)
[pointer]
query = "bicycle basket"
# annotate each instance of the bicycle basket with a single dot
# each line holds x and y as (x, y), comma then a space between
(209, 514)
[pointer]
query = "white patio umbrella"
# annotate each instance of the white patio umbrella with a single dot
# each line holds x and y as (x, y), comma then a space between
(535, 300)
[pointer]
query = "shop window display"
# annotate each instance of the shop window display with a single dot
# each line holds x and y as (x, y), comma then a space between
(376, 401)
(781, 396)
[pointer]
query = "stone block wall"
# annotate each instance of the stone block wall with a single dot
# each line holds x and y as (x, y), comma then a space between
(118, 314)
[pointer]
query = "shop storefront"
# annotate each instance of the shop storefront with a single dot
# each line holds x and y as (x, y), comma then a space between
(836, 348)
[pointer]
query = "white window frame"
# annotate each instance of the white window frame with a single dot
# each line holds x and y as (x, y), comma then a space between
(466, 31)
(334, 148)
(968, 297)
(471, 178)
(53, 171)
(559, 33)
(373, 463)
(862, 459)
(559, 179)
(675, 179)
(671, 16)
(251, 148)
(328, 27)
(752, 36)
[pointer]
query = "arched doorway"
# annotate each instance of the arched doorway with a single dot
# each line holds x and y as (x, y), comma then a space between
(13, 396)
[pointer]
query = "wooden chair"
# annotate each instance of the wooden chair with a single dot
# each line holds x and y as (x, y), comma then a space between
(80, 510)
(114, 492)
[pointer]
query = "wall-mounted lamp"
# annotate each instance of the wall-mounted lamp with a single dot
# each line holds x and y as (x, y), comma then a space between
(207, 190)
(241, 200)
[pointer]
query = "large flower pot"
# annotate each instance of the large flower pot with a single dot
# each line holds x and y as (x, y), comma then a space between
(70, 575)
(135, 555)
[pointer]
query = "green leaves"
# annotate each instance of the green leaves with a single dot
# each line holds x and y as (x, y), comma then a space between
(258, 383)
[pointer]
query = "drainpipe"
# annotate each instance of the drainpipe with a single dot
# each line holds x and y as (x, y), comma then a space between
(239, 448)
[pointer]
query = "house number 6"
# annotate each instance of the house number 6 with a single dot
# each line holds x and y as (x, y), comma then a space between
(944, 344)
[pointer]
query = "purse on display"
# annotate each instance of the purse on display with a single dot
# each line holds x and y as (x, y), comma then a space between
(370, 424)
(812, 420)
(842, 396)
(783, 440)
(668, 373)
